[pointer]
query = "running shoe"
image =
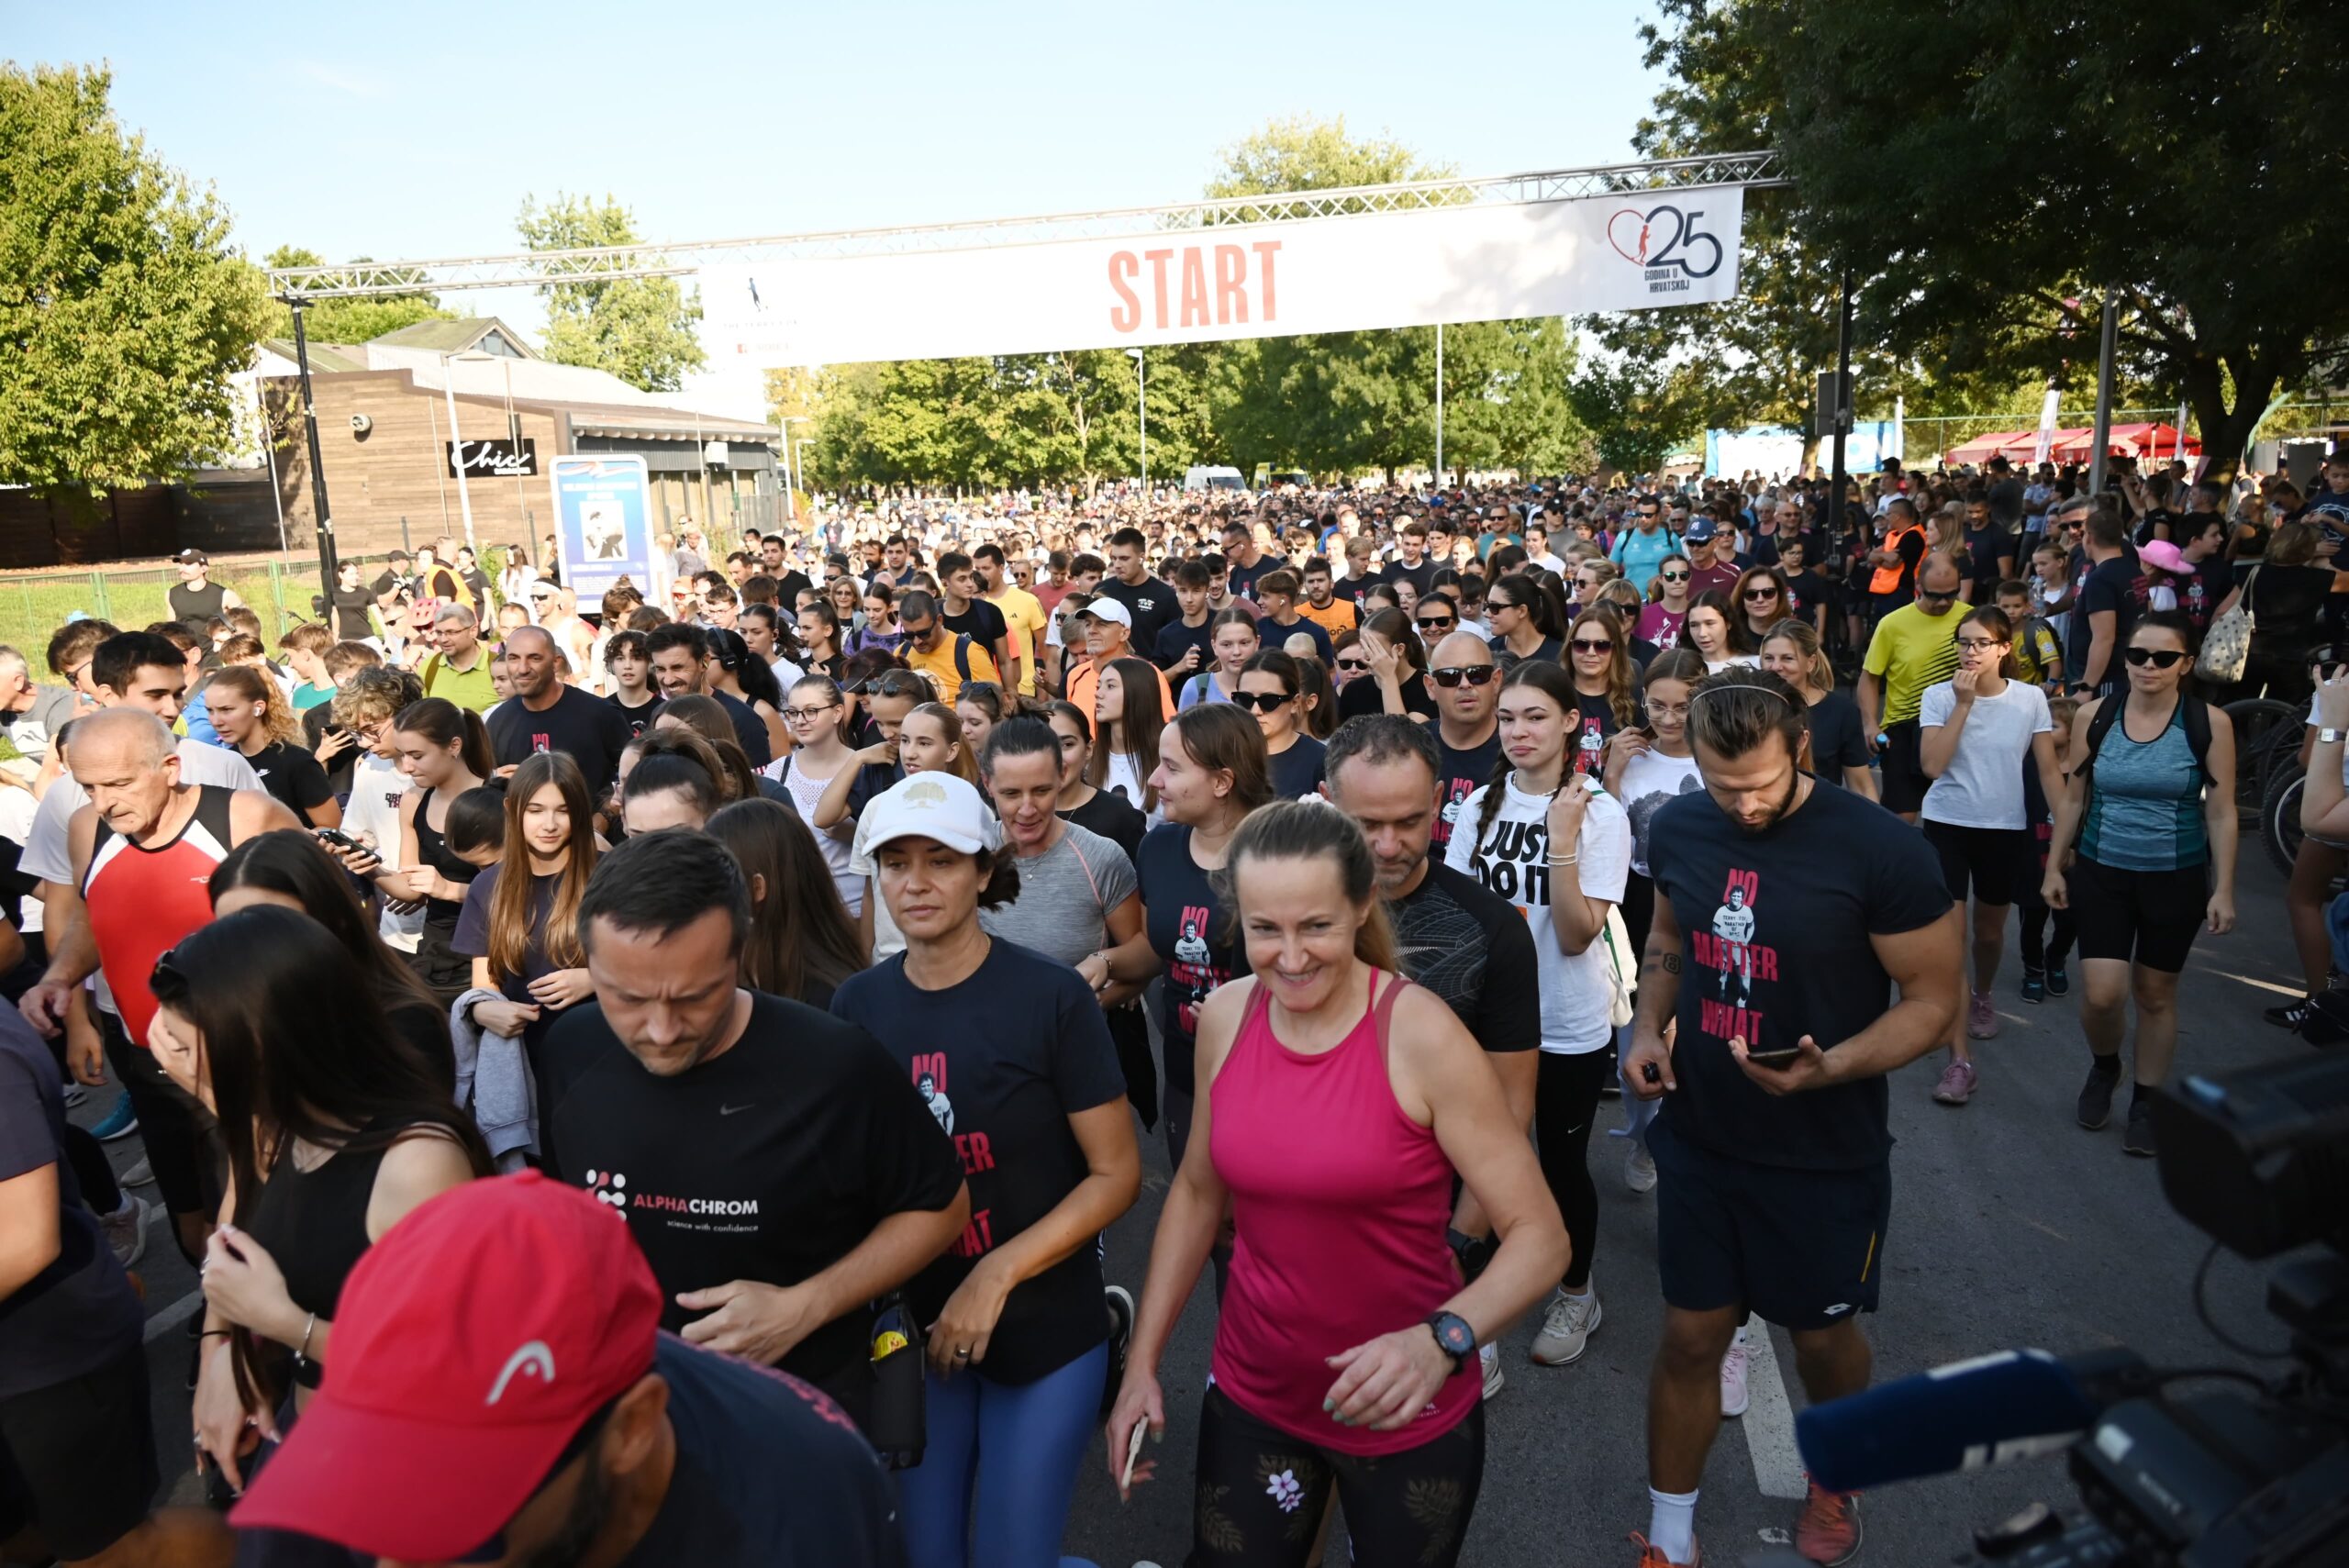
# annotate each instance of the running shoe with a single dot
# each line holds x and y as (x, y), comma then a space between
(2058, 982)
(1491, 1356)
(1652, 1556)
(2291, 1015)
(1119, 1303)
(120, 1122)
(1982, 1018)
(2096, 1097)
(141, 1174)
(1734, 1397)
(1639, 1167)
(2034, 987)
(1566, 1329)
(74, 1094)
(2138, 1137)
(1829, 1531)
(126, 1229)
(1956, 1087)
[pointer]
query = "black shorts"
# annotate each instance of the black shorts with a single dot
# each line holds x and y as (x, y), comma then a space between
(85, 1450)
(187, 1169)
(2146, 916)
(1905, 781)
(1803, 1249)
(1998, 863)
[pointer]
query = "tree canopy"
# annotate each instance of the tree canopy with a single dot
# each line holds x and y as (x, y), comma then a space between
(123, 305)
(640, 329)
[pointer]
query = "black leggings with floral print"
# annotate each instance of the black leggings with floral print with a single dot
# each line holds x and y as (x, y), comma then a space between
(1261, 1494)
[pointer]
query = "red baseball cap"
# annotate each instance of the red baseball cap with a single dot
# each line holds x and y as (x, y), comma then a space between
(471, 1345)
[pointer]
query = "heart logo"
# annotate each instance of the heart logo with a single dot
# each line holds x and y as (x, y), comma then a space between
(1628, 232)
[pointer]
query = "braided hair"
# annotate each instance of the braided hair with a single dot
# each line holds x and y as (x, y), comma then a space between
(1553, 682)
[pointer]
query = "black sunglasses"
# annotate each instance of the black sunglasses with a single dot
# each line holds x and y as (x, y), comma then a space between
(1473, 674)
(2159, 658)
(1936, 593)
(1760, 593)
(1586, 645)
(1263, 702)
(1673, 576)
(1437, 623)
(1353, 663)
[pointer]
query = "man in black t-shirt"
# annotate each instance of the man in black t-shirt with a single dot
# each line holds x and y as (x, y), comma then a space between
(2107, 607)
(680, 661)
(1467, 736)
(1149, 601)
(544, 714)
(1784, 916)
(502, 1393)
(779, 1171)
(1246, 564)
(1412, 563)
(962, 610)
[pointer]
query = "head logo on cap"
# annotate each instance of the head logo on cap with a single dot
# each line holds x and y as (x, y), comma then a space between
(533, 1357)
(924, 796)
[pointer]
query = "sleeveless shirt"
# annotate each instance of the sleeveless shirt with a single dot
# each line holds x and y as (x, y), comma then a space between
(141, 901)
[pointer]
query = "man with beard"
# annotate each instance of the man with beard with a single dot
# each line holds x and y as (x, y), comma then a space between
(1784, 916)
(500, 1360)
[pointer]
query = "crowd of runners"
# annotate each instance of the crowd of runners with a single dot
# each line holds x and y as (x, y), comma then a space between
(650, 1080)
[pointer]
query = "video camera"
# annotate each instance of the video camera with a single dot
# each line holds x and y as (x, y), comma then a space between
(2253, 1474)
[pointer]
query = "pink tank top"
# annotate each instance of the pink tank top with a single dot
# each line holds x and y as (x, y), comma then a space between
(1341, 1202)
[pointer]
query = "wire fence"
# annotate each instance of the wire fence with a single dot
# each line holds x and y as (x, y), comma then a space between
(35, 603)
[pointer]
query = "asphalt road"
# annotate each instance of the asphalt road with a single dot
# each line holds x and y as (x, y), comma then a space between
(2012, 1227)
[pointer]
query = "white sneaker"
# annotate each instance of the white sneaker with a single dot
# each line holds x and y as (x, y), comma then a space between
(141, 1174)
(1491, 1356)
(126, 1230)
(1734, 1397)
(1639, 1167)
(1566, 1329)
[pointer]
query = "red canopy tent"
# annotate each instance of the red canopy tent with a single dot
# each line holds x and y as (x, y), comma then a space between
(2151, 443)
(1982, 449)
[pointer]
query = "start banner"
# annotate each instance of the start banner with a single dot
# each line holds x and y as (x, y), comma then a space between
(1264, 280)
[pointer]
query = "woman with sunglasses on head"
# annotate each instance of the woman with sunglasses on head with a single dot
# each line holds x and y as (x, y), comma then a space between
(444, 751)
(1840, 752)
(1559, 847)
(1667, 605)
(1528, 622)
(1126, 719)
(1761, 600)
(1346, 1113)
(1398, 662)
(520, 922)
(1979, 731)
(1711, 630)
(2151, 803)
(1112, 817)
(334, 1127)
(1272, 690)
(1233, 637)
(803, 941)
(1605, 689)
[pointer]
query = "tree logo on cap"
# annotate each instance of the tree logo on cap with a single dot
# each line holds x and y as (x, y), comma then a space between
(609, 1187)
(533, 1357)
(925, 795)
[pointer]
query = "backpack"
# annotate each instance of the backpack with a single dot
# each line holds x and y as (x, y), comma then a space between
(2197, 731)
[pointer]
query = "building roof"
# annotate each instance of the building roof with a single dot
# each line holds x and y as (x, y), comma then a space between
(323, 357)
(455, 336)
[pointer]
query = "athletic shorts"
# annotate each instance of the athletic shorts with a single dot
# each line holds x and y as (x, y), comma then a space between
(2143, 917)
(85, 1450)
(185, 1159)
(1998, 863)
(1802, 1249)
(1905, 781)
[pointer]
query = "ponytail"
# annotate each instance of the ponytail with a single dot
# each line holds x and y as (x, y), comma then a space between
(443, 723)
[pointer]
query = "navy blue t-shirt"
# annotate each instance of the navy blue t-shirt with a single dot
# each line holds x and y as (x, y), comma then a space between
(1193, 935)
(1003, 1059)
(1774, 941)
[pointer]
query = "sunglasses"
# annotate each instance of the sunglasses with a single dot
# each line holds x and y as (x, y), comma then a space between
(1588, 645)
(1673, 576)
(2159, 658)
(1456, 674)
(1437, 623)
(1753, 594)
(1353, 663)
(1936, 594)
(1263, 701)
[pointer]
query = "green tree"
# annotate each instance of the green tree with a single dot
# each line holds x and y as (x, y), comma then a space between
(1639, 414)
(124, 307)
(2159, 147)
(640, 329)
(347, 320)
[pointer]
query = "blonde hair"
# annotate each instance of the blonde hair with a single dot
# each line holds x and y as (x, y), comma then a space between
(277, 711)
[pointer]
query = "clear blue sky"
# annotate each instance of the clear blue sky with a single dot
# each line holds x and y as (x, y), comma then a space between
(417, 130)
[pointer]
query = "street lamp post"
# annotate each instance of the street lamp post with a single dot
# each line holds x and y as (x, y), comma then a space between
(790, 480)
(456, 445)
(1142, 416)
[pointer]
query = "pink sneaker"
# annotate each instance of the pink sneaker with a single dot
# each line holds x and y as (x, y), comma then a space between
(1956, 1087)
(1734, 1397)
(1829, 1531)
(1982, 1018)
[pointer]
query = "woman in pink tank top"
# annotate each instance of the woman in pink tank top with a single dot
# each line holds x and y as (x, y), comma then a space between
(1336, 1103)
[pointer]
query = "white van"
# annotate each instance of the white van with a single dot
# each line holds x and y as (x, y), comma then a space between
(1206, 476)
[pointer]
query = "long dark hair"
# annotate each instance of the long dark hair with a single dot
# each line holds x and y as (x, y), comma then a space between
(1143, 716)
(1553, 682)
(800, 931)
(296, 1048)
(511, 901)
(1403, 637)
(755, 676)
(1735, 639)
(445, 724)
(1993, 620)
(707, 718)
(1620, 681)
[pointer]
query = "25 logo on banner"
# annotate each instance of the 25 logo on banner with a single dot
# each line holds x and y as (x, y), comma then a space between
(1663, 242)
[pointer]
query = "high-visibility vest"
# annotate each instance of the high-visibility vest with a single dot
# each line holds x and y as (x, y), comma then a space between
(1887, 578)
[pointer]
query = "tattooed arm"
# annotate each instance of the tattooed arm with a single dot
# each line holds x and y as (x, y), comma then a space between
(1659, 998)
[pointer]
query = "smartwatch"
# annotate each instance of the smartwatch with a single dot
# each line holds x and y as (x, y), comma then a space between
(1455, 1337)
(1473, 1252)
(2329, 737)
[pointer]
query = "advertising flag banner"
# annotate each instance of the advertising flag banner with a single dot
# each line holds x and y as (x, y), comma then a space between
(602, 528)
(1636, 251)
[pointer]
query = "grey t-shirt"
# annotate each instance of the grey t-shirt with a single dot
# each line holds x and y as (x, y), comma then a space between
(1065, 896)
(53, 708)
(1982, 786)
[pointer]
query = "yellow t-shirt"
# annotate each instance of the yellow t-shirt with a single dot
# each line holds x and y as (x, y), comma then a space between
(1025, 617)
(1909, 651)
(940, 666)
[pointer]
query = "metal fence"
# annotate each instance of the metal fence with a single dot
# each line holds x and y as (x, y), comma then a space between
(32, 606)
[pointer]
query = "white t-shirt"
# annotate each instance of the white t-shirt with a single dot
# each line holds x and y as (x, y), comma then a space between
(1126, 779)
(1715, 666)
(18, 807)
(1511, 859)
(372, 817)
(1982, 786)
(1650, 780)
(806, 791)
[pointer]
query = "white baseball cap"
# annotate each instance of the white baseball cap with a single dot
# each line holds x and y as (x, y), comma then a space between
(938, 805)
(1109, 609)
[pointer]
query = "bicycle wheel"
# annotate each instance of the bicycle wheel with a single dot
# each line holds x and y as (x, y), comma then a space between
(2279, 816)
(2265, 728)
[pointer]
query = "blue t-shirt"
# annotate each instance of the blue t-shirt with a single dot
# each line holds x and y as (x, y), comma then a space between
(1640, 554)
(1775, 931)
(1003, 1058)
